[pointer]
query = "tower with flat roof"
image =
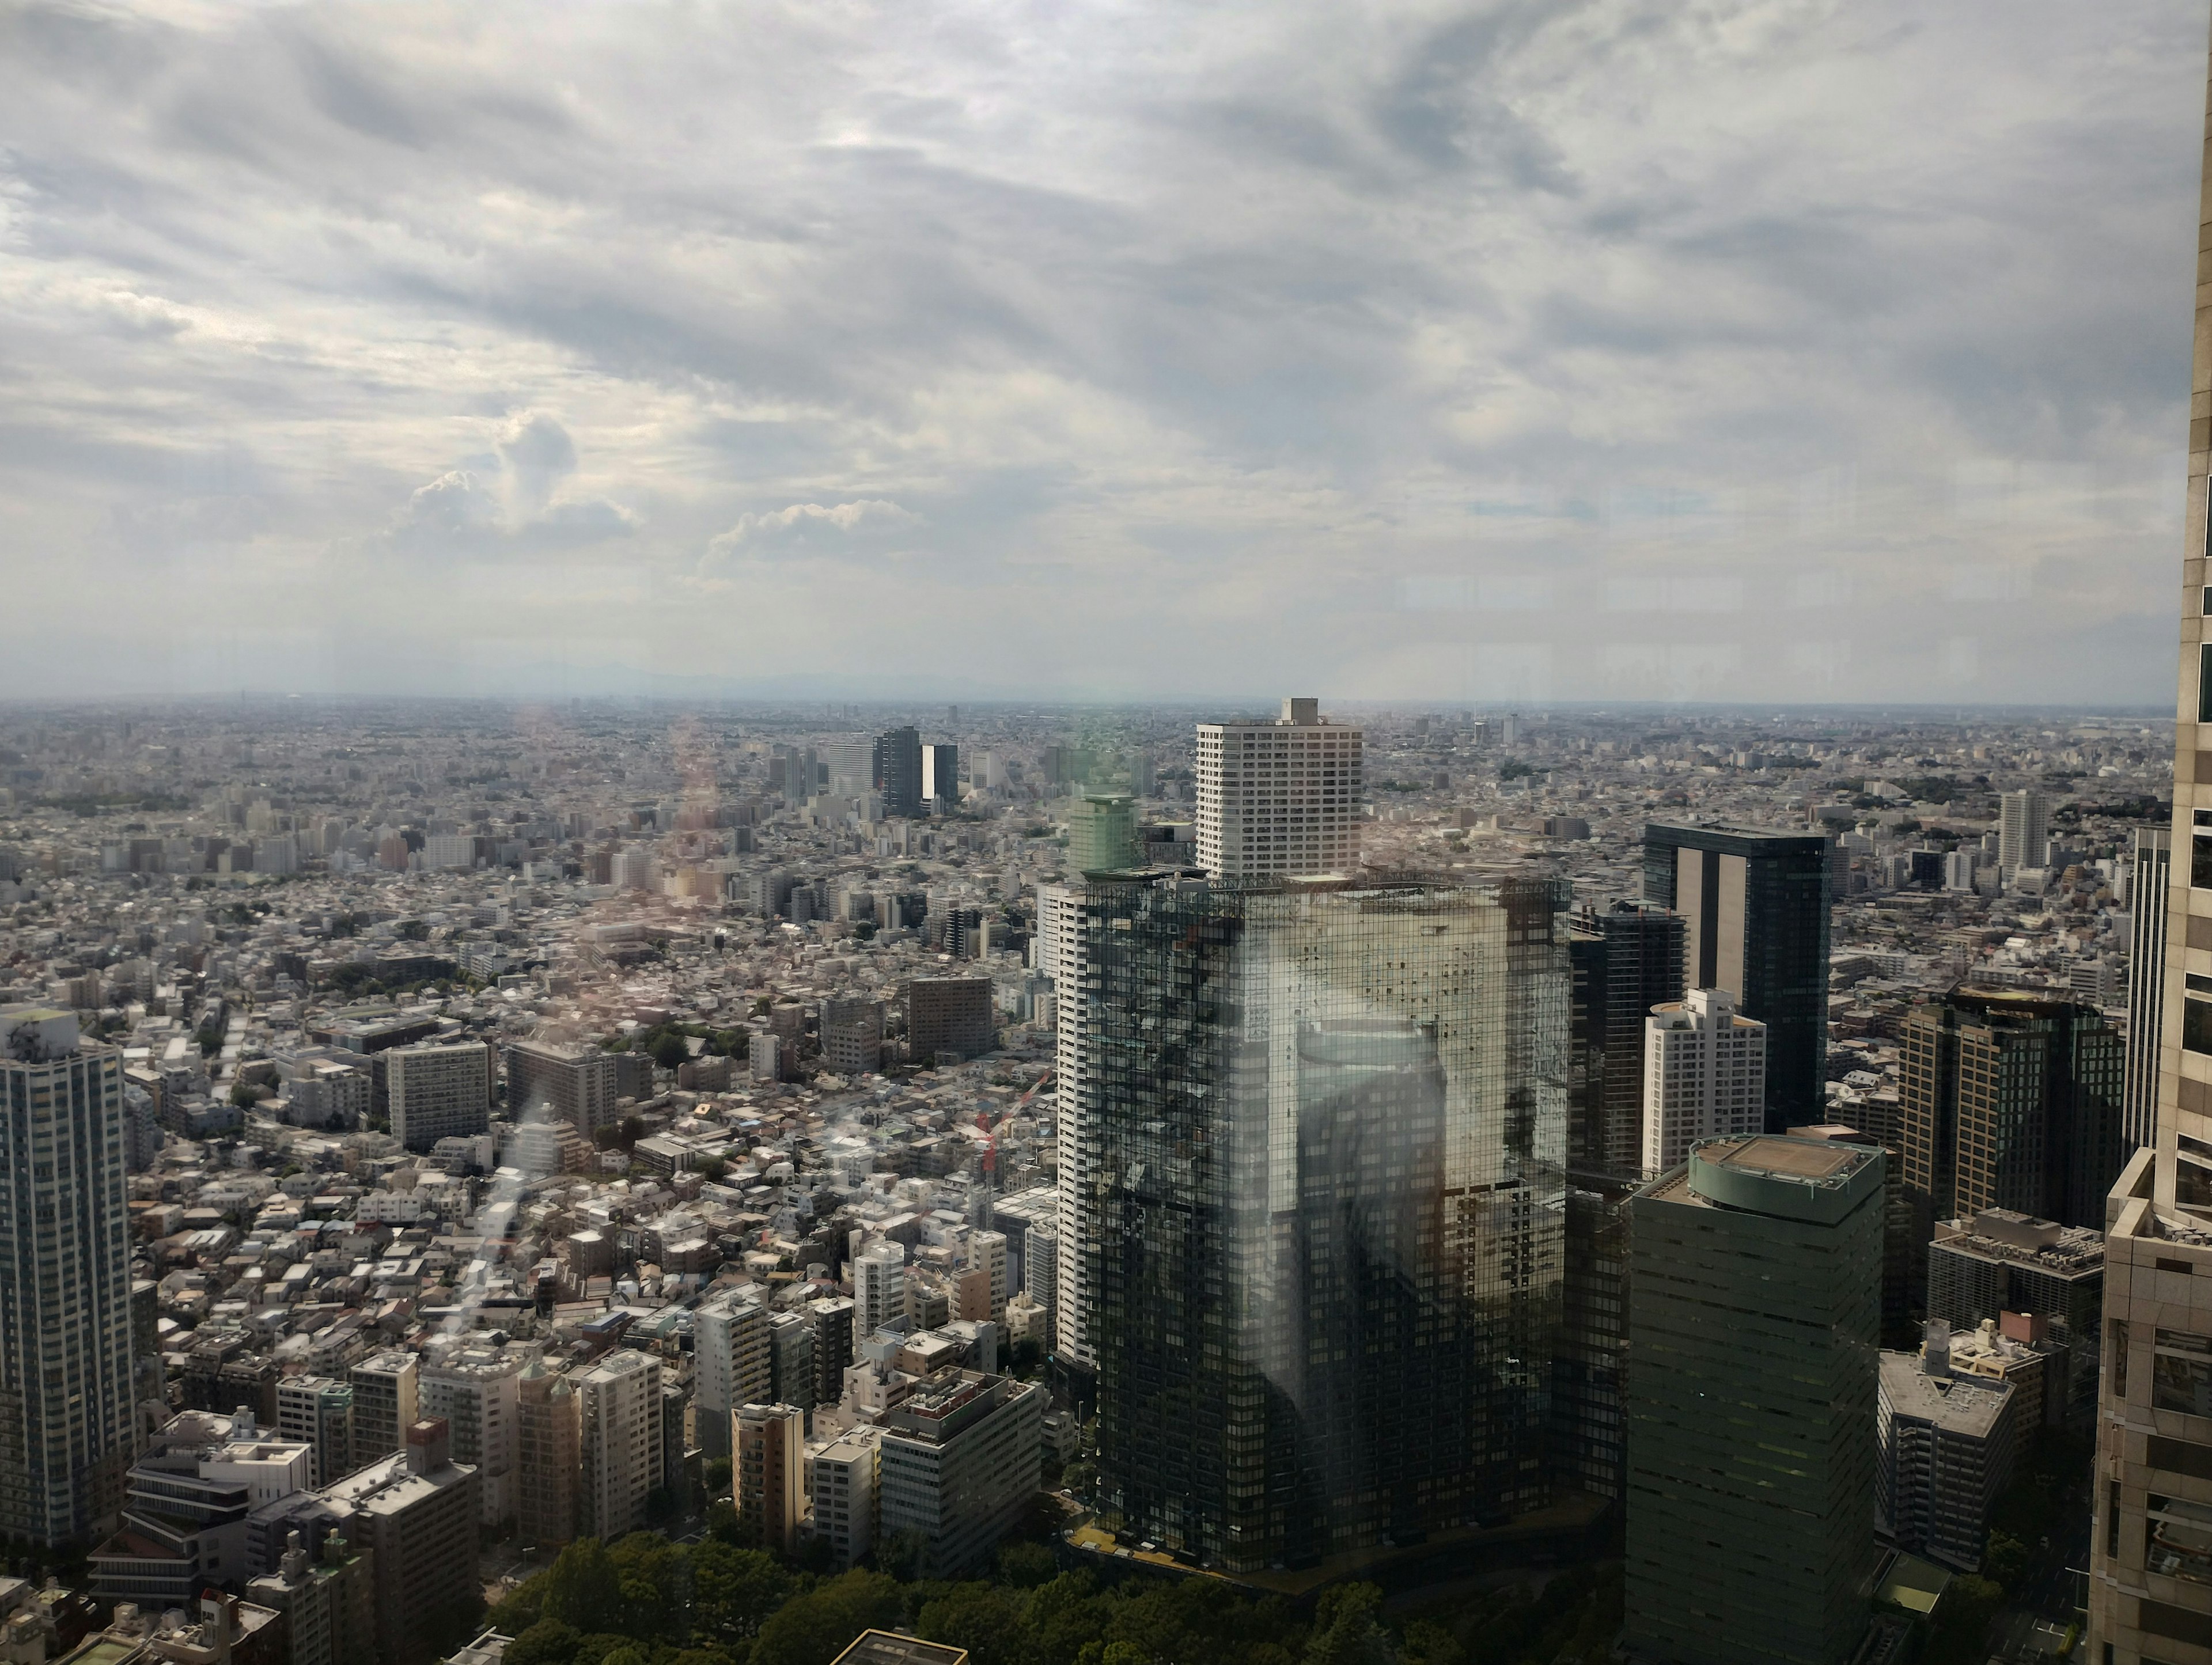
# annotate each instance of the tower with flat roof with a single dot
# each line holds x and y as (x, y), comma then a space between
(1755, 1316)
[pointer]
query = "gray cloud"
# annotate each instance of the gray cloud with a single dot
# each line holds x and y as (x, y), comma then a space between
(1382, 345)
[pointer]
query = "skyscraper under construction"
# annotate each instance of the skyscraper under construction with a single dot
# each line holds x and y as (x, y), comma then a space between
(1323, 1242)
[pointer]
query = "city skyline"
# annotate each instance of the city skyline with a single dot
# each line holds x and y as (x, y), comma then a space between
(1508, 354)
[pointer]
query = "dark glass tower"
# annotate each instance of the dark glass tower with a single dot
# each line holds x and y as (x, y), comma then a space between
(1627, 958)
(1754, 906)
(2010, 1099)
(1325, 1220)
(897, 771)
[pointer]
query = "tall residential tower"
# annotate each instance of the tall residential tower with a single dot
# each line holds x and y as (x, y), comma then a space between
(65, 1426)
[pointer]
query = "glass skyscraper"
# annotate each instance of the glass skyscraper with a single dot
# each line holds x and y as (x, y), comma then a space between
(1755, 907)
(1327, 1126)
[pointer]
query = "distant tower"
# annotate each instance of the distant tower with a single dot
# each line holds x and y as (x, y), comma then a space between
(897, 772)
(1705, 1076)
(65, 1432)
(1101, 832)
(1280, 798)
(1754, 905)
(2023, 831)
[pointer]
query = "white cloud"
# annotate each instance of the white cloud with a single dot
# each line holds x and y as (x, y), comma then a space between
(1816, 323)
(841, 529)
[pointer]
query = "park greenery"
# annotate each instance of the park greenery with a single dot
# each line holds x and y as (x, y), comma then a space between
(643, 1600)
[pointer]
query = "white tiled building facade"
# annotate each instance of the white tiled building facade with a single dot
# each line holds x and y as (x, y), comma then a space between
(2150, 1556)
(1705, 1076)
(1279, 798)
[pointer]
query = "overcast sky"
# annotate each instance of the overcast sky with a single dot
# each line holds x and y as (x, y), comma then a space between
(1772, 350)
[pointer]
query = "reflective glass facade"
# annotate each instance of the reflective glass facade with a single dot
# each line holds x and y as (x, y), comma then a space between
(1327, 1128)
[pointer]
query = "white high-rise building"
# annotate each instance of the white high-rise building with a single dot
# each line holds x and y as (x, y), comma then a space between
(1282, 796)
(622, 1421)
(476, 1392)
(1705, 1076)
(879, 1285)
(2023, 830)
(1059, 957)
(635, 870)
(730, 1344)
(66, 1434)
(438, 1092)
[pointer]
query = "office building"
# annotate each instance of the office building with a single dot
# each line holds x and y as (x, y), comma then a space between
(318, 1411)
(1324, 1218)
(386, 1402)
(621, 1437)
(1704, 1077)
(878, 1287)
(547, 1081)
(549, 1456)
(185, 1506)
(896, 771)
(2147, 890)
(435, 1092)
(2009, 1098)
(960, 1460)
(1280, 798)
(414, 1515)
(66, 1429)
(1946, 1445)
(730, 1345)
(2023, 831)
(1754, 1308)
(948, 1017)
(1101, 832)
(1754, 908)
(845, 1473)
(473, 1390)
(940, 776)
(328, 1602)
(1041, 1273)
(1626, 959)
(768, 1472)
(2001, 1262)
(851, 1034)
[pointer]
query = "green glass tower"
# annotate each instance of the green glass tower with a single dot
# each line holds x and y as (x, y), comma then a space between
(1101, 833)
(1327, 1130)
(1755, 1316)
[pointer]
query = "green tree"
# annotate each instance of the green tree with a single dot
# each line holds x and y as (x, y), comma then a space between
(1025, 1566)
(669, 1051)
(548, 1642)
(583, 1588)
(813, 1629)
(983, 1618)
(734, 1591)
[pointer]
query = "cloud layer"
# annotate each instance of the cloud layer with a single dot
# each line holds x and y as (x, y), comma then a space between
(1589, 349)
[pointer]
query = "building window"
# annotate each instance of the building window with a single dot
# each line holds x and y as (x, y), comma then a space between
(2204, 682)
(2197, 1015)
(2178, 1539)
(2119, 1354)
(2181, 1372)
